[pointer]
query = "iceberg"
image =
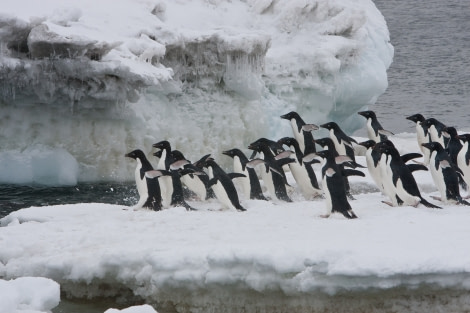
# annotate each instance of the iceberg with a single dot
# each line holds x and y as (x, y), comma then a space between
(275, 257)
(100, 79)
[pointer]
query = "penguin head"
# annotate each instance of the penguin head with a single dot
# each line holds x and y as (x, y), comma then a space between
(288, 141)
(368, 144)
(464, 137)
(367, 114)
(202, 161)
(386, 147)
(177, 155)
(291, 115)
(450, 132)
(330, 126)
(416, 118)
(136, 154)
(232, 152)
(325, 142)
(164, 144)
(432, 146)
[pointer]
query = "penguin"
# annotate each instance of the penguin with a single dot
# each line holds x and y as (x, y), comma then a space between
(250, 184)
(148, 188)
(343, 143)
(333, 186)
(436, 131)
(463, 157)
(223, 186)
(172, 189)
(374, 129)
(194, 177)
(273, 176)
(422, 135)
(372, 160)
(453, 148)
(400, 176)
(303, 136)
(444, 173)
(303, 173)
(328, 144)
(166, 182)
(373, 157)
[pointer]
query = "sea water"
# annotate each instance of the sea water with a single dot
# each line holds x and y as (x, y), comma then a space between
(430, 75)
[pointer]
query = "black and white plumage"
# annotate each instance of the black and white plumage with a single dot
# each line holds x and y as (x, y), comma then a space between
(302, 172)
(223, 186)
(463, 158)
(171, 186)
(333, 186)
(422, 135)
(194, 177)
(343, 143)
(302, 134)
(273, 175)
(375, 131)
(372, 157)
(399, 177)
(148, 188)
(436, 131)
(250, 183)
(444, 173)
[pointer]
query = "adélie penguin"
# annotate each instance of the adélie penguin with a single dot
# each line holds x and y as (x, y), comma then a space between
(302, 131)
(250, 183)
(401, 178)
(463, 158)
(302, 172)
(444, 173)
(422, 135)
(343, 143)
(148, 188)
(436, 131)
(375, 131)
(223, 186)
(333, 185)
(273, 175)
(193, 177)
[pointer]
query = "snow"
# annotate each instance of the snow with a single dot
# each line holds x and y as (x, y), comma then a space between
(275, 254)
(98, 79)
(28, 295)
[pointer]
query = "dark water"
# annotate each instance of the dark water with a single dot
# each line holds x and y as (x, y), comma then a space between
(430, 73)
(13, 197)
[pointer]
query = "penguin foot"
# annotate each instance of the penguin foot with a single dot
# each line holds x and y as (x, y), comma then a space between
(388, 203)
(350, 196)
(325, 215)
(436, 198)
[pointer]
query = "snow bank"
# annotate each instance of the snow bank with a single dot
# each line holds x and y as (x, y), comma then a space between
(28, 294)
(274, 257)
(102, 79)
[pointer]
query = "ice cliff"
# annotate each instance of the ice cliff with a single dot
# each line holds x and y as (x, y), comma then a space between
(84, 82)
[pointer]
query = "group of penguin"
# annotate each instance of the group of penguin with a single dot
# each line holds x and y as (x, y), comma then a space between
(444, 152)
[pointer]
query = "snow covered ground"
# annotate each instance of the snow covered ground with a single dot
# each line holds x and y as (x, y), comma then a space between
(274, 257)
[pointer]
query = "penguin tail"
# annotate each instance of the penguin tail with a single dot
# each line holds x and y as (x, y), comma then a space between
(462, 201)
(240, 208)
(349, 214)
(428, 204)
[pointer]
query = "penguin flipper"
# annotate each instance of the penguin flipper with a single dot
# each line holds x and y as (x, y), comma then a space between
(235, 175)
(416, 167)
(385, 132)
(428, 204)
(350, 172)
(410, 156)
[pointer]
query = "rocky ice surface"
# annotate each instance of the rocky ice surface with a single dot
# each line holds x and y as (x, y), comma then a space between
(89, 81)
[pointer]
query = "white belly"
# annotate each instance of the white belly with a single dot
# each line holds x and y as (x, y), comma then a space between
(222, 196)
(462, 164)
(195, 185)
(303, 181)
